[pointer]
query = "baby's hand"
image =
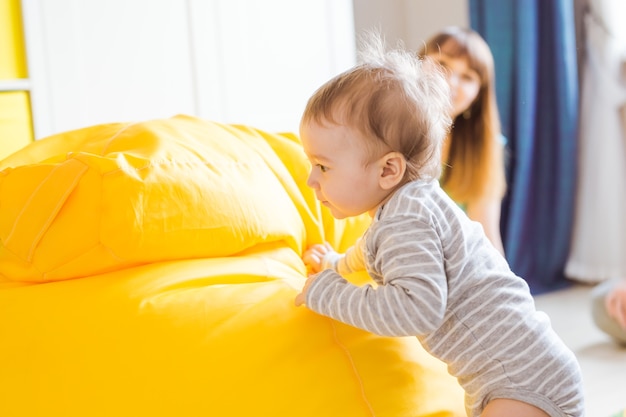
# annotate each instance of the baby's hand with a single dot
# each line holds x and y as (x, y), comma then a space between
(301, 298)
(313, 256)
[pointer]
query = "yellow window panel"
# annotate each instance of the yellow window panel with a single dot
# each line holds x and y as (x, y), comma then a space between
(15, 122)
(12, 50)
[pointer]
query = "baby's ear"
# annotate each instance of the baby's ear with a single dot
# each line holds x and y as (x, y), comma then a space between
(393, 169)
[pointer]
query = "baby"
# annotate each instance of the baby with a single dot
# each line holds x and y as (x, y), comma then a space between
(373, 135)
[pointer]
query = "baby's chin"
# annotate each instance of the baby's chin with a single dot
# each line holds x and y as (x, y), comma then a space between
(337, 214)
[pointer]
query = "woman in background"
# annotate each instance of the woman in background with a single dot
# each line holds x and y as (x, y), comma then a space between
(473, 155)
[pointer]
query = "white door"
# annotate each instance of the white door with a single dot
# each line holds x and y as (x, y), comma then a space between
(233, 61)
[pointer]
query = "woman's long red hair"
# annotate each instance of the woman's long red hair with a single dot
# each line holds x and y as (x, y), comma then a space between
(474, 168)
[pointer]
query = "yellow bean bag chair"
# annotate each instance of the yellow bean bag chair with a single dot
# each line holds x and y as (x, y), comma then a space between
(149, 269)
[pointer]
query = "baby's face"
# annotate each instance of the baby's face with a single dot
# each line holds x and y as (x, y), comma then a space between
(340, 174)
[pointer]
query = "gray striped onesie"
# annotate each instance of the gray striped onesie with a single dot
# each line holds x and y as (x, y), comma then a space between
(440, 279)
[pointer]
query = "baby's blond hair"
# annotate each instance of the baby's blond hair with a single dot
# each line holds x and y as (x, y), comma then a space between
(396, 100)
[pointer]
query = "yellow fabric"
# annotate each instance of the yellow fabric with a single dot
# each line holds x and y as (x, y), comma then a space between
(153, 191)
(183, 240)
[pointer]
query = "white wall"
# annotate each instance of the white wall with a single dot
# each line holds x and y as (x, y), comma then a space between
(411, 21)
(234, 61)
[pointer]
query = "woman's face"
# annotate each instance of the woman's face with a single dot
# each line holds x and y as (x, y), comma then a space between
(464, 81)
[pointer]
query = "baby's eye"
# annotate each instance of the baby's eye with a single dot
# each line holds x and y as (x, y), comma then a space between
(322, 168)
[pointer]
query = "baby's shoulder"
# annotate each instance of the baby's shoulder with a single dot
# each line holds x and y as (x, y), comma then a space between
(424, 199)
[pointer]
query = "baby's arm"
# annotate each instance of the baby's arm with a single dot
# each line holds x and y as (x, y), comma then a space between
(411, 297)
(320, 257)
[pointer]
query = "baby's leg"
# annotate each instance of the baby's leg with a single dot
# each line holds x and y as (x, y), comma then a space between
(504, 407)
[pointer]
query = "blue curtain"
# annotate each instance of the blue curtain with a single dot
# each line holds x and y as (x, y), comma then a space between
(534, 47)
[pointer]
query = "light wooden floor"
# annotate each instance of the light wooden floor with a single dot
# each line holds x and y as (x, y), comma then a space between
(603, 362)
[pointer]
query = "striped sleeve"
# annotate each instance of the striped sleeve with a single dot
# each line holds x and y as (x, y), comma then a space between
(411, 299)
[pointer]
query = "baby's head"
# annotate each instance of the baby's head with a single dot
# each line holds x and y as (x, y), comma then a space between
(395, 101)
